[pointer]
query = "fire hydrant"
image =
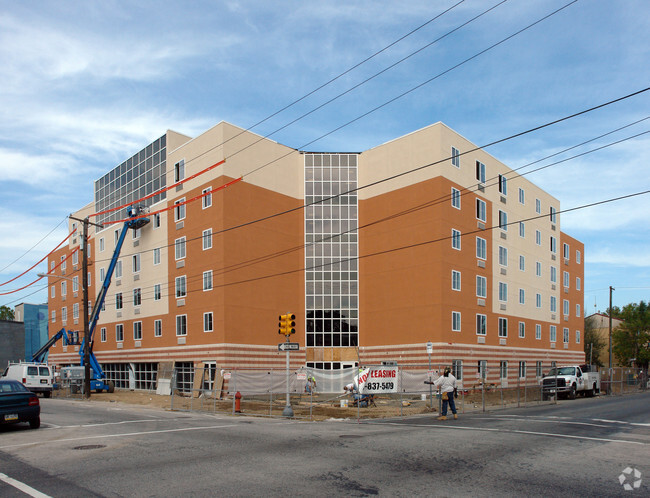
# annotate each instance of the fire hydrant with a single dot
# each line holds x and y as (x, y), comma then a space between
(238, 402)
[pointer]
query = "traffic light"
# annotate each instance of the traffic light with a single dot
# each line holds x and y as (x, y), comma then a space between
(287, 324)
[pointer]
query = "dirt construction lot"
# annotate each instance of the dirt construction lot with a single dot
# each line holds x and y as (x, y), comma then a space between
(318, 407)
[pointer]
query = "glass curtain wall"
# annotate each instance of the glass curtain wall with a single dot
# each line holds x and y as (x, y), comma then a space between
(331, 275)
(137, 177)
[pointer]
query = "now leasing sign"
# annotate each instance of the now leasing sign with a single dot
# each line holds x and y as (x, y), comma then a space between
(376, 380)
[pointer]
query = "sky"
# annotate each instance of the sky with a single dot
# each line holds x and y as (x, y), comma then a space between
(87, 84)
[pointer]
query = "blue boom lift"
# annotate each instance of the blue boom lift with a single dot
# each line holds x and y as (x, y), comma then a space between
(98, 380)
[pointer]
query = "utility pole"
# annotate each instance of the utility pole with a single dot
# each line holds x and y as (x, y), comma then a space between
(84, 277)
(610, 326)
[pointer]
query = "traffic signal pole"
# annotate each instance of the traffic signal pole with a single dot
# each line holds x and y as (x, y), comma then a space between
(287, 324)
(288, 410)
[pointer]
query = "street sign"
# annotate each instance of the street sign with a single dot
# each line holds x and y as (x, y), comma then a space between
(288, 346)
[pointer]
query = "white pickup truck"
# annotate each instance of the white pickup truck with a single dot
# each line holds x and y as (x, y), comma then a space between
(570, 381)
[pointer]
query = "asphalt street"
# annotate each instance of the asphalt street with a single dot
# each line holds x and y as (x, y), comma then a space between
(574, 448)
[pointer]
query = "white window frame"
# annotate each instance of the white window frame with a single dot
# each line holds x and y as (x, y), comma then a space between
(481, 286)
(455, 157)
(503, 220)
(207, 281)
(102, 334)
(119, 332)
(455, 198)
(522, 262)
(455, 239)
(157, 292)
(481, 324)
(179, 210)
(522, 196)
(552, 333)
(503, 327)
(481, 248)
(135, 263)
(101, 244)
(181, 325)
(503, 256)
(481, 210)
(455, 280)
(208, 322)
(538, 300)
(522, 330)
(179, 171)
(137, 331)
(157, 328)
(480, 172)
(156, 256)
(503, 292)
(455, 321)
(206, 200)
(179, 249)
(180, 286)
(538, 331)
(207, 239)
(522, 296)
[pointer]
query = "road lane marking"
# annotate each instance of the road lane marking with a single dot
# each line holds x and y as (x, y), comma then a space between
(127, 434)
(512, 431)
(567, 419)
(28, 490)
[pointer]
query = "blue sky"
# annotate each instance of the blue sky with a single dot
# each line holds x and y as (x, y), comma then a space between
(87, 84)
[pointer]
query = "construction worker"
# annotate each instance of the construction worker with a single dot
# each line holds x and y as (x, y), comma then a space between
(311, 384)
(447, 385)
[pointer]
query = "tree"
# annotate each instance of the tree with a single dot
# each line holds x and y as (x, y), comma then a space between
(631, 339)
(6, 313)
(594, 343)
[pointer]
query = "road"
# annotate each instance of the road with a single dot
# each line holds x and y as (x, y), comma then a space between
(574, 448)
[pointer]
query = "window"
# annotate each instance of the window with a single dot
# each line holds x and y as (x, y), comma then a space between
(565, 279)
(457, 369)
(156, 292)
(522, 229)
(481, 286)
(88, 278)
(522, 330)
(503, 327)
(156, 221)
(577, 337)
(64, 314)
(553, 333)
(137, 331)
(503, 185)
(578, 310)
(181, 291)
(553, 274)
(503, 220)
(64, 287)
(538, 237)
(455, 280)
(119, 332)
(522, 262)
(503, 256)
(480, 172)
(51, 265)
(553, 214)
(481, 210)
(207, 239)
(482, 368)
(538, 300)
(538, 369)
(538, 269)
(135, 234)
(179, 171)
(538, 331)
(156, 256)
(481, 248)
(455, 157)
(116, 236)
(553, 304)
(179, 248)
(207, 280)
(577, 283)
(455, 321)
(63, 263)
(522, 369)
(522, 296)
(118, 269)
(75, 258)
(53, 316)
(207, 322)
(565, 307)
(101, 244)
(566, 252)
(481, 324)
(157, 328)
(522, 199)
(503, 369)
(137, 297)
(207, 197)
(553, 245)
(53, 291)
(455, 239)
(565, 335)
(181, 325)
(135, 260)
(179, 210)
(118, 301)
(455, 197)
(578, 255)
(102, 334)
(503, 291)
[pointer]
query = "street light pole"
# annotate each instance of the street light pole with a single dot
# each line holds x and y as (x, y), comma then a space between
(610, 326)
(84, 267)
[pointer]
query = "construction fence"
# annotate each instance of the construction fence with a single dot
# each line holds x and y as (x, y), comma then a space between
(319, 394)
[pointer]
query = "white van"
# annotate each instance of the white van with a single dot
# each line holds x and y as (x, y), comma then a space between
(37, 377)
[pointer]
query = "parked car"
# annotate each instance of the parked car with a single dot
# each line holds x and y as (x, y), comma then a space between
(37, 377)
(18, 404)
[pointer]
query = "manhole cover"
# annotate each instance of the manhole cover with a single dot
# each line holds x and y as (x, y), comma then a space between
(349, 436)
(89, 447)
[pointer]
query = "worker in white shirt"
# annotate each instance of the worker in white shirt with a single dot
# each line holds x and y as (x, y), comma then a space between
(447, 385)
